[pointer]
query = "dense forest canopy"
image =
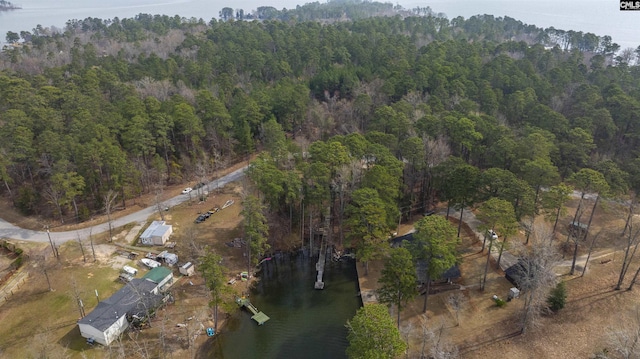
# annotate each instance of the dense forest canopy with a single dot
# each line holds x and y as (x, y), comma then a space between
(131, 105)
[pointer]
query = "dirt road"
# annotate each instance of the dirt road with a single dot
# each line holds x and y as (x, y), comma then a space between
(10, 231)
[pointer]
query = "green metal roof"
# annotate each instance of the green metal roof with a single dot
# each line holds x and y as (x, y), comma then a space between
(157, 274)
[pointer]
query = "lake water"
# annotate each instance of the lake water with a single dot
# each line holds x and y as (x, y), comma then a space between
(601, 17)
(304, 322)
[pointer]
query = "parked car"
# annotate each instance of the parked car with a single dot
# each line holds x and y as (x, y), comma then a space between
(187, 190)
(199, 185)
(201, 218)
(429, 213)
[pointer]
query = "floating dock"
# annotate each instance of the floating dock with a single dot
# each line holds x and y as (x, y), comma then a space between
(258, 316)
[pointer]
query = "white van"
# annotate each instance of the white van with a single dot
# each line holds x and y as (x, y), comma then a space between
(130, 271)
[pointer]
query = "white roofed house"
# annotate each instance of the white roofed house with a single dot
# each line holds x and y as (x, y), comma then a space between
(157, 234)
(112, 316)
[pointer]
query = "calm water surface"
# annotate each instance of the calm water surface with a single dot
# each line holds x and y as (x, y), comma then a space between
(305, 323)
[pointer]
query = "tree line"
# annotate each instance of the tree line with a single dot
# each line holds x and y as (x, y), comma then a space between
(132, 105)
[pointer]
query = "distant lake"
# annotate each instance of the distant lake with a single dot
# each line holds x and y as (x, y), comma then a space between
(601, 17)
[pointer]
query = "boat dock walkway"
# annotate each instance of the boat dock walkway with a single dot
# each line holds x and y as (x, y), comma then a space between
(320, 268)
(319, 284)
(258, 316)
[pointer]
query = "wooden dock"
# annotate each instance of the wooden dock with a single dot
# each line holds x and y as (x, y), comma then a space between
(320, 268)
(258, 316)
(319, 284)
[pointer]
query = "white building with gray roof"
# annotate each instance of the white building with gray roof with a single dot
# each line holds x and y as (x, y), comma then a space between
(111, 317)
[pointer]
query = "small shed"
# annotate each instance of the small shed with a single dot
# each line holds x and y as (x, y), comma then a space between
(161, 276)
(577, 229)
(187, 269)
(169, 258)
(157, 234)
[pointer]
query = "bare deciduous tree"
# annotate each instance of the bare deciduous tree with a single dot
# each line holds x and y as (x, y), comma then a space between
(76, 295)
(624, 338)
(536, 276)
(93, 250)
(40, 262)
(109, 200)
(84, 257)
(117, 349)
(43, 347)
(632, 242)
(434, 346)
(456, 302)
(138, 347)
(158, 200)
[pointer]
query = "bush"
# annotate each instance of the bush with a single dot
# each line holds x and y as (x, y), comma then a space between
(27, 200)
(500, 302)
(558, 297)
(83, 213)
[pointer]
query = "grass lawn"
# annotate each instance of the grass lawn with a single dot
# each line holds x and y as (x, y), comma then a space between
(36, 320)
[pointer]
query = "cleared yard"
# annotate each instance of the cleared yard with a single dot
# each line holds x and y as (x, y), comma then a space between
(38, 320)
(580, 330)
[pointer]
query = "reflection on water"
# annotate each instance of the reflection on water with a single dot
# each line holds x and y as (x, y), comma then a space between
(305, 323)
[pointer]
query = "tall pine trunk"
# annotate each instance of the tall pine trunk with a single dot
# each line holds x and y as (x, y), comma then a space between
(593, 243)
(633, 281)
(555, 223)
(486, 266)
(575, 256)
(626, 223)
(575, 253)
(426, 295)
(627, 257)
(460, 221)
(504, 243)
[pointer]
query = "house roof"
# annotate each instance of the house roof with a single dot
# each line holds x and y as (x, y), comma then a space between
(155, 229)
(134, 298)
(580, 225)
(519, 271)
(421, 265)
(157, 274)
(397, 241)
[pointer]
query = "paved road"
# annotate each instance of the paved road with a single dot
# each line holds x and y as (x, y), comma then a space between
(8, 230)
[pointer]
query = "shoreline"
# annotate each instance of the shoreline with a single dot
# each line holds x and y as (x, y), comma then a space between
(366, 290)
